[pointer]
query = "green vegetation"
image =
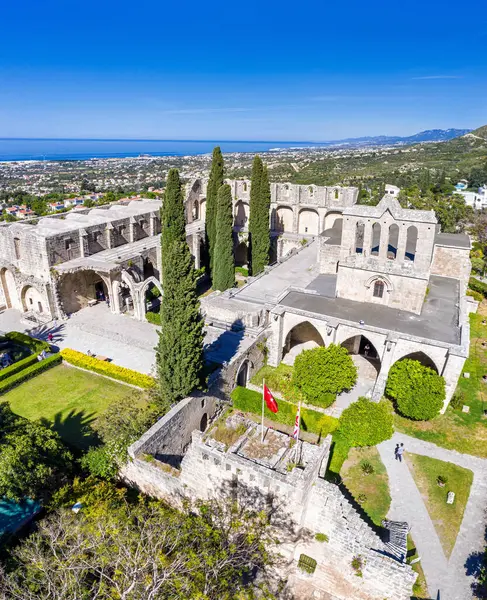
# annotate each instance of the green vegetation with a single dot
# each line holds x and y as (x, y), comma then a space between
(214, 184)
(374, 485)
(366, 423)
(242, 271)
(446, 518)
(322, 538)
(28, 372)
(23, 339)
(153, 317)
(278, 379)
(108, 369)
(322, 373)
(419, 392)
(311, 421)
(456, 430)
(180, 349)
(223, 273)
(260, 202)
(68, 399)
(33, 459)
(307, 564)
(173, 221)
(420, 589)
(206, 550)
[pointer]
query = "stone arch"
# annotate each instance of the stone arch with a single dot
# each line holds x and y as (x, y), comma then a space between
(243, 373)
(303, 336)
(411, 243)
(32, 300)
(308, 221)
(204, 422)
(10, 289)
(203, 209)
(241, 214)
(331, 218)
(78, 289)
(196, 210)
(368, 357)
(284, 219)
(359, 237)
(129, 298)
(375, 243)
(423, 358)
(393, 241)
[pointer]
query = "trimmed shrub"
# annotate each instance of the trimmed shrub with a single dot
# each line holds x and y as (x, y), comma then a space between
(366, 423)
(20, 365)
(478, 286)
(311, 421)
(339, 453)
(322, 373)
(419, 392)
(25, 340)
(475, 295)
(31, 371)
(153, 317)
(102, 367)
(242, 271)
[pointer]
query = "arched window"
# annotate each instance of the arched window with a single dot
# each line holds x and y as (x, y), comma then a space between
(378, 289)
(411, 243)
(359, 237)
(245, 186)
(310, 190)
(393, 240)
(375, 246)
(336, 194)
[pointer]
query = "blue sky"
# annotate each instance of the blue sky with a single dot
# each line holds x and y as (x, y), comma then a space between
(254, 70)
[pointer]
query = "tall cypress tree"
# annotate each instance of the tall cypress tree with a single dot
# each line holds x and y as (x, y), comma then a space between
(255, 183)
(180, 348)
(214, 184)
(224, 263)
(261, 242)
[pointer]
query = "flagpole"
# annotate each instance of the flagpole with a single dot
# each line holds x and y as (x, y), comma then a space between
(262, 429)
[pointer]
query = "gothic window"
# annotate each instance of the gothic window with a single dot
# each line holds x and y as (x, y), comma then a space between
(310, 191)
(393, 241)
(17, 248)
(411, 243)
(378, 289)
(245, 186)
(359, 238)
(67, 244)
(336, 194)
(121, 230)
(375, 246)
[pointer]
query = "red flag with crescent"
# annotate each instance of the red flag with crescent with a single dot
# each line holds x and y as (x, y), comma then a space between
(270, 400)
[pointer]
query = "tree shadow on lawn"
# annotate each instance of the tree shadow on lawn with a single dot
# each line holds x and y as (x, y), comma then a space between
(476, 566)
(74, 428)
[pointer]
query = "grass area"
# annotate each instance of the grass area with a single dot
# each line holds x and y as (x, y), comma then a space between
(464, 432)
(277, 379)
(446, 518)
(69, 399)
(226, 434)
(420, 589)
(370, 490)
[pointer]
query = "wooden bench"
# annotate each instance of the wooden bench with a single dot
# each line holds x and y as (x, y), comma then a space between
(92, 302)
(101, 357)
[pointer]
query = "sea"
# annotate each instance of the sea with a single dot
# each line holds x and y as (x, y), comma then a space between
(84, 149)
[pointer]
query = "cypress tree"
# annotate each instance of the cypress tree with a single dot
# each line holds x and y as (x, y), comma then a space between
(261, 242)
(214, 184)
(180, 347)
(224, 263)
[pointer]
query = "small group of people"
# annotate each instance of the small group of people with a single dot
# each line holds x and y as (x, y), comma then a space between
(399, 451)
(5, 360)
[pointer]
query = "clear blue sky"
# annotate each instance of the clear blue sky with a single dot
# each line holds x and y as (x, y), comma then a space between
(253, 70)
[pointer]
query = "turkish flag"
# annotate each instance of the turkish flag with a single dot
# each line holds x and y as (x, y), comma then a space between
(270, 400)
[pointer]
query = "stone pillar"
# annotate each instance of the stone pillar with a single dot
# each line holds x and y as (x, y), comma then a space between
(452, 370)
(401, 243)
(367, 238)
(132, 225)
(295, 218)
(109, 236)
(196, 250)
(115, 298)
(274, 342)
(384, 241)
(385, 364)
(83, 243)
(152, 224)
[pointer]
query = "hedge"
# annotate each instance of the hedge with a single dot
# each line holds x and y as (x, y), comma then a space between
(478, 286)
(339, 452)
(25, 340)
(18, 366)
(102, 367)
(29, 372)
(153, 317)
(312, 421)
(475, 295)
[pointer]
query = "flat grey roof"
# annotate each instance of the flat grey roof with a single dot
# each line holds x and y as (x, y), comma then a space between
(437, 321)
(454, 240)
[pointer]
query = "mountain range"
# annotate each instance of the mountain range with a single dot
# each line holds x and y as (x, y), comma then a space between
(429, 135)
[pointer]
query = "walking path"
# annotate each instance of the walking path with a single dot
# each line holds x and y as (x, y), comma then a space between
(449, 576)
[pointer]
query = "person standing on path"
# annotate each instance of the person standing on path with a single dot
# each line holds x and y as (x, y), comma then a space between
(400, 452)
(395, 452)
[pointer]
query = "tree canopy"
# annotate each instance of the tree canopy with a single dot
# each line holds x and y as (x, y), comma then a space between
(260, 202)
(366, 423)
(214, 184)
(224, 263)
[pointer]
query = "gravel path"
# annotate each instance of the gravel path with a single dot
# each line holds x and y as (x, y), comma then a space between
(449, 576)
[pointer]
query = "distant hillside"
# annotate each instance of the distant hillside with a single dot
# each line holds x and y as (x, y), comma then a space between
(481, 132)
(430, 135)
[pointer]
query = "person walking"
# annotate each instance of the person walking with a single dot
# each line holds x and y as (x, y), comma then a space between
(395, 452)
(400, 452)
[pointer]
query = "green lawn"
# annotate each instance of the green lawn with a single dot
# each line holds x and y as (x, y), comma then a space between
(420, 589)
(277, 379)
(69, 398)
(446, 518)
(374, 486)
(465, 432)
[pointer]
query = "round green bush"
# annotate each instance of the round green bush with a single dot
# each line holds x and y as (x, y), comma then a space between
(322, 373)
(418, 391)
(366, 423)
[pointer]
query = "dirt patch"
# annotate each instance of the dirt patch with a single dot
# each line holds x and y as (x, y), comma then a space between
(254, 448)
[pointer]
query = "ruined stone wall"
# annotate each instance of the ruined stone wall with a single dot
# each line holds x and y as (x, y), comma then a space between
(451, 262)
(328, 256)
(22, 248)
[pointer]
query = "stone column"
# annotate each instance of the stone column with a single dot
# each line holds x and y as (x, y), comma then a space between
(152, 224)
(385, 365)
(132, 225)
(452, 370)
(295, 218)
(83, 243)
(401, 243)
(367, 238)
(109, 236)
(274, 342)
(384, 241)
(196, 250)
(115, 297)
